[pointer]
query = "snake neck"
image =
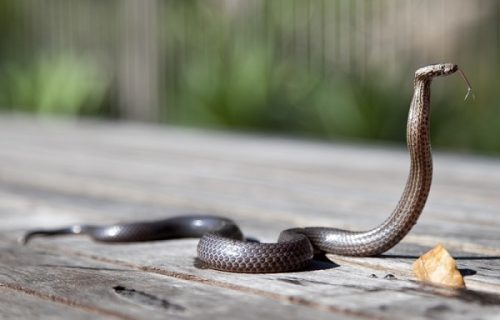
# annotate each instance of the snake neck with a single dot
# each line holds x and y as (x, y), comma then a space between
(412, 201)
(418, 184)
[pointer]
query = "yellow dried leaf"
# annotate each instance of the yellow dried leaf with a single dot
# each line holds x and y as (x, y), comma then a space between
(438, 267)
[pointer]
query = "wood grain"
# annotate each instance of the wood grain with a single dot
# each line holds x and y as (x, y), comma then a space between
(54, 173)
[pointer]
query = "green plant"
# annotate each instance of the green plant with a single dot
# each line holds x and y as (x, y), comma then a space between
(63, 84)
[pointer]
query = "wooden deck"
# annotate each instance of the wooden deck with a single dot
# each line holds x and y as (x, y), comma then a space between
(54, 173)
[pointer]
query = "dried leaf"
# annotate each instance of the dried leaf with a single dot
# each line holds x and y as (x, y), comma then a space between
(438, 267)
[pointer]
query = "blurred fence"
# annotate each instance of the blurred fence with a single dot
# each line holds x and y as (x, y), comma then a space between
(242, 63)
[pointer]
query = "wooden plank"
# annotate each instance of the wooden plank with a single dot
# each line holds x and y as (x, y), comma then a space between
(175, 259)
(340, 287)
(58, 173)
(357, 209)
(19, 305)
(213, 195)
(342, 216)
(123, 292)
(233, 158)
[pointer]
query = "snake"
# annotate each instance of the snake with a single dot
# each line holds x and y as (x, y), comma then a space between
(222, 245)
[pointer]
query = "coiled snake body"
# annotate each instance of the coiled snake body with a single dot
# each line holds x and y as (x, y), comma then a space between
(223, 247)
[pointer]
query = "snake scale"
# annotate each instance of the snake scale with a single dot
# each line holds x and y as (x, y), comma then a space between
(222, 245)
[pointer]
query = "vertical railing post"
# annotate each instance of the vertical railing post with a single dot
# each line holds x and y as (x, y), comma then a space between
(138, 64)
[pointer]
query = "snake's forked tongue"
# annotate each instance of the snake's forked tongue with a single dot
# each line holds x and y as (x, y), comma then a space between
(469, 93)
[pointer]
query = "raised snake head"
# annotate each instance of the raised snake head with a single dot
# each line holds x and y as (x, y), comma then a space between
(436, 70)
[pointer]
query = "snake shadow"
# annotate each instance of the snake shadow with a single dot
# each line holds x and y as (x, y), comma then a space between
(321, 262)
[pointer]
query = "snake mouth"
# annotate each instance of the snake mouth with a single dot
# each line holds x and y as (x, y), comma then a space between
(436, 70)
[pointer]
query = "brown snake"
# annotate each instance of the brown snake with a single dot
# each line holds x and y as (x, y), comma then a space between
(222, 245)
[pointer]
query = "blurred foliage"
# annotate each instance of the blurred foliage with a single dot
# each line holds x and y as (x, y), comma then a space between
(247, 89)
(233, 76)
(221, 73)
(63, 84)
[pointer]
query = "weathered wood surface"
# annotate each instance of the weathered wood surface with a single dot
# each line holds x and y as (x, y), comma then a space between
(54, 173)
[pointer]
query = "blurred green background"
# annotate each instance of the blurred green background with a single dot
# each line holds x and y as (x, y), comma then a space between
(312, 68)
